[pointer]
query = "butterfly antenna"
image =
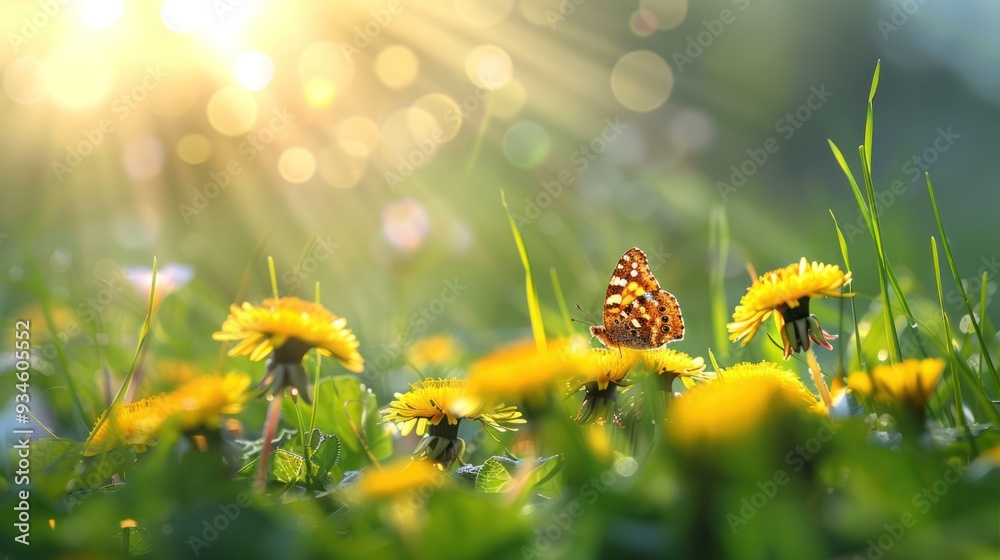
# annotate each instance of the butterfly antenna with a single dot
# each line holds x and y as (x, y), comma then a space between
(592, 321)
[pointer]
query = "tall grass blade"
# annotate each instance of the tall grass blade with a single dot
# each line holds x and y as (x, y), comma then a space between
(854, 311)
(956, 388)
(983, 349)
(718, 240)
(534, 310)
(143, 336)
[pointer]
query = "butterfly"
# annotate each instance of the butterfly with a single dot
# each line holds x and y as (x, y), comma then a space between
(637, 313)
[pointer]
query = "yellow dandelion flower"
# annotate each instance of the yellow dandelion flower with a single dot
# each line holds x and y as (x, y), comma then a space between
(603, 366)
(395, 479)
(203, 400)
(785, 294)
(521, 371)
(910, 383)
(670, 364)
(286, 329)
(789, 386)
(433, 351)
(436, 407)
(737, 401)
(602, 372)
(430, 401)
(719, 412)
(200, 402)
(135, 425)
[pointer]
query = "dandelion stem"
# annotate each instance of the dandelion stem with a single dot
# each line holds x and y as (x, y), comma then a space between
(270, 427)
(817, 375)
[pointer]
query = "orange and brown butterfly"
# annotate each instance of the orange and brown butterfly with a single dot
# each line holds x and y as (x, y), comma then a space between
(637, 313)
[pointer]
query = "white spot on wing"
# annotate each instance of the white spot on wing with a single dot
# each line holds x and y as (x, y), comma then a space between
(635, 273)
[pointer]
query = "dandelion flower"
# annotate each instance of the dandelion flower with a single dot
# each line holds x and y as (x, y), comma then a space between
(286, 329)
(436, 407)
(670, 364)
(521, 371)
(433, 351)
(739, 399)
(602, 371)
(135, 425)
(785, 293)
(395, 479)
(200, 402)
(910, 383)
(203, 400)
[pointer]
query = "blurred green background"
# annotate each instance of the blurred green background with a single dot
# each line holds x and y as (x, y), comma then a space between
(561, 79)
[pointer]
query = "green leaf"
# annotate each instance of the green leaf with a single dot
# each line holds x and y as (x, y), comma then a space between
(50, 454)
(546, 469)
(350, 413)
(534, 310)
(494, 477)
(285, 467)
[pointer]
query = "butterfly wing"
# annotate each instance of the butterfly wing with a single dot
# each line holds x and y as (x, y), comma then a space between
(631, 279)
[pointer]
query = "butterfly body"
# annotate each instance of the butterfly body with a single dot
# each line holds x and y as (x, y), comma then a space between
(637, 313)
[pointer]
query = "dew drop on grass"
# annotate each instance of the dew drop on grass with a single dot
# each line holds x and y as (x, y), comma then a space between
(883, 355)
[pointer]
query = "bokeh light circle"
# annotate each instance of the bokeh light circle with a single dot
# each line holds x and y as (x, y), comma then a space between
(396, 67)
(489, 66)
(325, 70)
(668, 13)
(232, 111)
(359, 135)
(253, 70)
(194, 148)
(691, 129)
(296, 165)
(185, 16)
(24, 81)
(78, 76)
(446, 113)
(405, 224)
(340, 165)
(643, 22)
(641, 81)
(526, 144)
(99, 14)
(508, 101)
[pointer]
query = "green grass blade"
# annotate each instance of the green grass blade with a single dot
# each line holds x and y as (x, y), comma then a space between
(557, 287)
(890, 325)
(534, 310)
(862, 205)
(982, 316)
(143, 336)
(719, 240)
(878, 69)
(984, 350)
(870, 118)
(319, 367)
(956, 388)
(854, 311)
